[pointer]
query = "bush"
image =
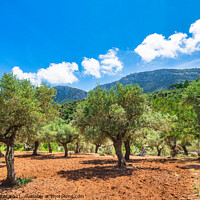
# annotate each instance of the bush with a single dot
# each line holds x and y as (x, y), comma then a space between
(19, 147)
(42, 147)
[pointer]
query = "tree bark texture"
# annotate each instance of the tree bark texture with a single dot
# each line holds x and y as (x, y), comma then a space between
(159, 151)
(97, 147)
(66, 150)
(36, 148)
(185, 150)
(121, 160)
(174, 151)
(77, 147)
(10, 181)
(128, 150)
(50, 149)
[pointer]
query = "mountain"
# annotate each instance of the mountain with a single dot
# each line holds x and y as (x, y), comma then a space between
(69, 94)
(150, 81)
(156, 80)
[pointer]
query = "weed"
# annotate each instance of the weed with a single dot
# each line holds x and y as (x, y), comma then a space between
(22, 181)
(197, 190)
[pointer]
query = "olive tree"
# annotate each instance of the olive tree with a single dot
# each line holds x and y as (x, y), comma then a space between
(22, 106)
(66, 134)
(95, 137)
(192, 96)
(47, 134)
(182, 121)
(160, 125)
(112, 113)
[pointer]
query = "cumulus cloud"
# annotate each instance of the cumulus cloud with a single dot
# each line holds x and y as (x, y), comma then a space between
(108, 63)
(156, 45)
(31, 76)
(55, 74)
(59, 73)
(91, 66)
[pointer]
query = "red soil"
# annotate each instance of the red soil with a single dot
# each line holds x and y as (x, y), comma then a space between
(94, 177)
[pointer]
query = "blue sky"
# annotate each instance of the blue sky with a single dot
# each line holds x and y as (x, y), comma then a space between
(83, 42)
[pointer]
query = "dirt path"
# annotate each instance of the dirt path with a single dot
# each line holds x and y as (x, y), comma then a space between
(95, 177)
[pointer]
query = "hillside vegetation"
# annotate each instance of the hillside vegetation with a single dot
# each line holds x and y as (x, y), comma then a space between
(150, 81)
(157, 80)
(69, 94)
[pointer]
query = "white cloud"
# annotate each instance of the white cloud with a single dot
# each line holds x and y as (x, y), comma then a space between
(91, 66)
(55, 74)
(192, 44)
(155, 45)
(31, 76)
(59, 73)
(108, 64)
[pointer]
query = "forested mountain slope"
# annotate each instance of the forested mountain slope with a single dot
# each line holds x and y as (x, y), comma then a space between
(156, 80)
(69, 94)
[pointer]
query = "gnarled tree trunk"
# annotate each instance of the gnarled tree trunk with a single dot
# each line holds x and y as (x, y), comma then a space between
(77, 147)
(184, 149)
(66, 150)
(159, 150)
(173, 147)
(50, 149)
(174, 151)
(36, 148)
(10, 181)
(128, 150)
(121, 160)
(97, 147)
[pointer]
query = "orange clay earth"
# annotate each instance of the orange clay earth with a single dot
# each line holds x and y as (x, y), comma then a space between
(90, 176)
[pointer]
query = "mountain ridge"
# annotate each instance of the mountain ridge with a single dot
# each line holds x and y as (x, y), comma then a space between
(69, 94)
(156, 80)
(150, 81)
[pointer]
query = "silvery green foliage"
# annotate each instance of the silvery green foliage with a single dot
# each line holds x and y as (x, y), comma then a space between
(111, 113)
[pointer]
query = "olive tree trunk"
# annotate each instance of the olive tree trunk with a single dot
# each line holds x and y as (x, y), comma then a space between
(36, 148)
(173, 147)
(121, 160)
(184, 149)
(50, 149)
(77, 147)
(174, 151)
(128, 150)
(66, 150)
(159, 151)
(97, 148)
(10, 181)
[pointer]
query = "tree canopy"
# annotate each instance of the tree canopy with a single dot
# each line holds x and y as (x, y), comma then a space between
(23, 108)
(112, 113)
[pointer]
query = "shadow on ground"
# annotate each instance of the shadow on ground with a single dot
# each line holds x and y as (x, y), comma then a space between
(139, 160)
(110, 161)
(196, 167)
(102, 172)
(44, 157)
